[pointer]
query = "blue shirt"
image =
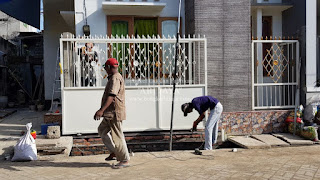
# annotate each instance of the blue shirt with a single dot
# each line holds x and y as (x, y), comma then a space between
(203, 103)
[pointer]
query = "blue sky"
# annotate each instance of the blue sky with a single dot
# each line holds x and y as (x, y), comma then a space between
(41, 15)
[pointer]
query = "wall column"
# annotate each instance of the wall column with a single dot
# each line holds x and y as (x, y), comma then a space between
(311, 44)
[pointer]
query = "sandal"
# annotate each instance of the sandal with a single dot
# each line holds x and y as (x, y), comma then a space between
(120, 166)
(111, 157)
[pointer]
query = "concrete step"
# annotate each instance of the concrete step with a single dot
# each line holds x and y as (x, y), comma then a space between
(248, 143)
(293, 140)
(61, 146)
(271, 140)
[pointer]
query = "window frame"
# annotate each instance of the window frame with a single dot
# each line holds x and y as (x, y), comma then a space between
(131, 19)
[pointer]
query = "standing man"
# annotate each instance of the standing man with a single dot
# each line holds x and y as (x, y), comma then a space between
(113, 112)
(202, 104)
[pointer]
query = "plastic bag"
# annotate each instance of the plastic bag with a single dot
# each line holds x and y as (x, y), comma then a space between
(25, 149)
(310, 133)
(308, 115)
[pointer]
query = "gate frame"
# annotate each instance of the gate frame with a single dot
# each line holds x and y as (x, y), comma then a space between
(156, 87)
(253, 84)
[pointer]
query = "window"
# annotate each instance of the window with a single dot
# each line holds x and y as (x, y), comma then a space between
(144, 26)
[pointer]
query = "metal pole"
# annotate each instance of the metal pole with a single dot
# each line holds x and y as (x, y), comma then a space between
(174, 78)
(297, 98)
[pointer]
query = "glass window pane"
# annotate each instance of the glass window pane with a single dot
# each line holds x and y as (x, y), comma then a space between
(169, 27)
(119, 28)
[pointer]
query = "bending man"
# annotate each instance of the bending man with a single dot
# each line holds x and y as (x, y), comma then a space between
(202, 104)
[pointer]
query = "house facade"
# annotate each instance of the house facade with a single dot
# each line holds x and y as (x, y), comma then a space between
(248, 59)
(11, 27)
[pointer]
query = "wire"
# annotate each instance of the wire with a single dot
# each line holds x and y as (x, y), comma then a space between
(174, 78)
(85, 11)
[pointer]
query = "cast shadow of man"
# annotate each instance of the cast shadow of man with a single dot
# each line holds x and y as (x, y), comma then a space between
(14, 166)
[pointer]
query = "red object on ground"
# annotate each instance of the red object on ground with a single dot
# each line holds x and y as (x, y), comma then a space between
(34, 134)
(291, 119)
(57, 111)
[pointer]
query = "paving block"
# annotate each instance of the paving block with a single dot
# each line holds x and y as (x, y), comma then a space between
(248, 142)
(292, 139)
(271, 140)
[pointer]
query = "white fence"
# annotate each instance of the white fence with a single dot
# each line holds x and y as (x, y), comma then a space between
(147, 66)
(275, 73)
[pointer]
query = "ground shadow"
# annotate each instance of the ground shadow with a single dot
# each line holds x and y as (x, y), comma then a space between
(12, 166)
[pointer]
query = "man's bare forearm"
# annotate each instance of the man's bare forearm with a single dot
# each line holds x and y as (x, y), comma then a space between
(110, 99)
(200, 118)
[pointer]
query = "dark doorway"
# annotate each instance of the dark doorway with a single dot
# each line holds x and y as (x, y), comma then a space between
(267, 33)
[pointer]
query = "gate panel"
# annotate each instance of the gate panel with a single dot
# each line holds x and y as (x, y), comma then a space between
(147, 66)
(274, 73)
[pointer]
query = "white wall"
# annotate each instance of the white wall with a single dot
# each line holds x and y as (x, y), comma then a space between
(54, 25)
(311, 43)
(27, 28)
(276, 21)
(97, 18)
(147, 109)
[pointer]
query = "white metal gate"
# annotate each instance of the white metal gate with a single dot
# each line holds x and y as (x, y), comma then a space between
(274, 73)
(147, 66)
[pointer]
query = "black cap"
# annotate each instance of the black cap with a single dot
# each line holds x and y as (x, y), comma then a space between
(184, 108)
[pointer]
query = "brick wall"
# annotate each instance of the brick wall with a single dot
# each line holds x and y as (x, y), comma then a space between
(226, 24)
(234, 123)
(138, 143)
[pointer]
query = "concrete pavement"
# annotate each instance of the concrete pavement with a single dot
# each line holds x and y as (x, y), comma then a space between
(276, 163)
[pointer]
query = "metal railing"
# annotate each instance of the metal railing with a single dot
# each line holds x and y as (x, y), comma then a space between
(143, 61)
(275, 73)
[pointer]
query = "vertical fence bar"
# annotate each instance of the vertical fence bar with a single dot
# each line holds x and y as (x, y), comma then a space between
(163, 63)
(139, 58)
(205, 67)
(293, 76)
(133, 63)
(280, 94)
(80, 64)
(148, 63)
(194, 62)
(145, 59)
(123, 61)
(190, 62)
(252, 76)
(183, 64)
(68, 64)
(153, 64)
(199, 62)
(298, 71)
(159, 63)
(258, 98)
(130, 63)
(272, 95)
(74, 64)
(267, 95)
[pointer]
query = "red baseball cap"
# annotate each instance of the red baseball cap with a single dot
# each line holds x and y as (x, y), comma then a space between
(112, 62)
